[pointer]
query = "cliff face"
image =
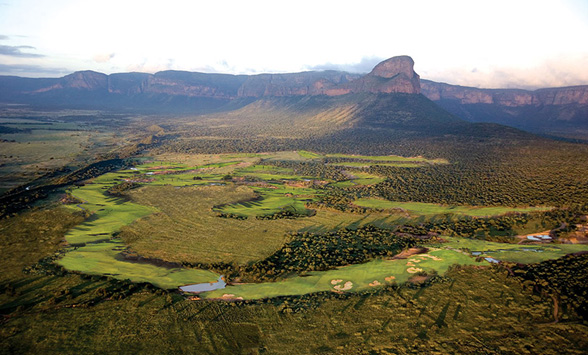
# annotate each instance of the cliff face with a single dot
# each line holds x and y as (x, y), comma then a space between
(306, 83)
(562, 111)
(505, 97)
(391, 76)
(394, 75)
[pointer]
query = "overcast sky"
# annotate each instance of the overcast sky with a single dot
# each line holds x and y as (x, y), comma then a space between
(499, 43)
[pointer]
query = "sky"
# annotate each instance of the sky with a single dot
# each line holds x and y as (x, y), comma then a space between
(481, 43)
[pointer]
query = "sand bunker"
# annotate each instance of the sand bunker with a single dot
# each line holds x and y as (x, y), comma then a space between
(414, 270)
(334, 282)
(375, 283)
(390, 278)
(433, 257)
(347, 286)
(409, 264)
(230, 296)
(416, 260)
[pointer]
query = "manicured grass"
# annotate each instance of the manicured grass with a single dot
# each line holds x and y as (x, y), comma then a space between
(103, 259)
(389, 158)
(269, 172)
(354, 164)
(278, 198)
(109, 214)
(519, 253)
(419, 208)
(360, 276)
(366, 178)
(309, 155)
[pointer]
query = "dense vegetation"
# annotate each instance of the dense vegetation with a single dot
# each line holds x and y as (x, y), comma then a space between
(564, 280)
(477, 311)
(313, 252)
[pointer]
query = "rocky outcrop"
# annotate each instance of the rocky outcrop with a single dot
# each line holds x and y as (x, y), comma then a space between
(505, 97)
(394, 75)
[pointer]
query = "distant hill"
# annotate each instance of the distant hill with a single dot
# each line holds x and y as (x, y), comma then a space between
(200, 92)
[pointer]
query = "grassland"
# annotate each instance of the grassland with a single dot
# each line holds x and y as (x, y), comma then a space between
(45, 144)
(187, 229)
(429, 209)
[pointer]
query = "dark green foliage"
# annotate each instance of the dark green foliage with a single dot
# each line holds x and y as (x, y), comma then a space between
(8, 130)
(310, 252)
(120, 188)
(564, 279)
(230, 215)
(286, 214)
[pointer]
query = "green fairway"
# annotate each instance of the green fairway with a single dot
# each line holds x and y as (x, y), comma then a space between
(518, 253)
(268, 172)
(355, 164)
(104, 259)
(274, 199)
(351, 278)
(389, 158)
(108, 213)
(424, 209)
(173, 218)
(309, 155)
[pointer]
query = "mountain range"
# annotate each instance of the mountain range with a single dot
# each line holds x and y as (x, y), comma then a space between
(555, 111)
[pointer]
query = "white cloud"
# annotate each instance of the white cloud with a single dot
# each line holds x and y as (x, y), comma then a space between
(445, 38)
(103, 57)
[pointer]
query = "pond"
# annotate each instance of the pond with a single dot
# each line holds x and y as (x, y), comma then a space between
(207, 286)
(538, 237)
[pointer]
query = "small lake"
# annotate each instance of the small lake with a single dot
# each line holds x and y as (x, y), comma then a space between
(207, 286)
(538, 237)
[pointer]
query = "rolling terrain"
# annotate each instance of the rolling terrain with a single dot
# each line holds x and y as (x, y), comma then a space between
(346, 213)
